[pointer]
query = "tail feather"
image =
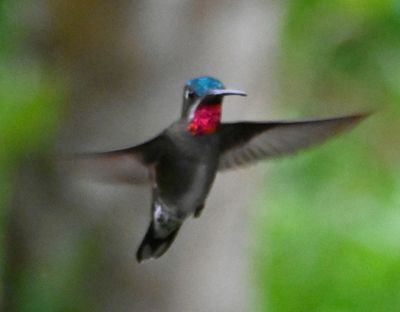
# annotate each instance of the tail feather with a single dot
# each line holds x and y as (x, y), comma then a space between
(153, 246)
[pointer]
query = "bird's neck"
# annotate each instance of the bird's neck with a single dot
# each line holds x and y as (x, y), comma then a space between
(206, 119)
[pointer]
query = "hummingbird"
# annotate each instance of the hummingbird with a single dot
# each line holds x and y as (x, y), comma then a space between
(181, 163)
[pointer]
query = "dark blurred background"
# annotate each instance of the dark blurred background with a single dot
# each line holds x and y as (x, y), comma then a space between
(314, 232)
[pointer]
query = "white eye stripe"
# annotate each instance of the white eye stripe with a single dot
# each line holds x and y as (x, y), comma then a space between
(189, 93)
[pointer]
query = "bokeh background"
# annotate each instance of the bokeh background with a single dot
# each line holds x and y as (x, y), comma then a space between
(319, 231)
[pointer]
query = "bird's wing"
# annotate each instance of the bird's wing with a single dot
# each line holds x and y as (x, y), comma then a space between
(129, 165)
(244, 143)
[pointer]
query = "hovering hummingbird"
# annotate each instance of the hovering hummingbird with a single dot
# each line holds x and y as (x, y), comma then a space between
(181, 163)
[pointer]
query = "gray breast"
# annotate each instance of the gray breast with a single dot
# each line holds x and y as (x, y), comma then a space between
(203, 177)
(186, 172)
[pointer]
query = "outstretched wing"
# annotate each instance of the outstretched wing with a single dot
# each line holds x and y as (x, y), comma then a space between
(129, 165)
(244, 143)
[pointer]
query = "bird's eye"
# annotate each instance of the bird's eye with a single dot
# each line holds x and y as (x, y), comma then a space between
(189, 94)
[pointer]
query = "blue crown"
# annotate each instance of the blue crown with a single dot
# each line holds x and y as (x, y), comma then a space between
(201, 85)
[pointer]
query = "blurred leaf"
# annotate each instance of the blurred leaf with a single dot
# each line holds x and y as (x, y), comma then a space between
(29, 107)
(333, 215)
(58, 284)
(29, 110)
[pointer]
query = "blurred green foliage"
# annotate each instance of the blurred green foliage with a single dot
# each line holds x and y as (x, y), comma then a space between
(331, 217)
(61, 284)
(328, 225)
(29, 110)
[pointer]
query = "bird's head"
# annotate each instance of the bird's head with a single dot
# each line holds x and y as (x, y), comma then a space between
(202, 103)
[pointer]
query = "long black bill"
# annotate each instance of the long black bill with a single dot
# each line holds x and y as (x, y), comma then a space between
(224, 92)
(210, 96)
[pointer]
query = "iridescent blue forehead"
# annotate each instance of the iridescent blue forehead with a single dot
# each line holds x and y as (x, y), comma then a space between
(200, 85)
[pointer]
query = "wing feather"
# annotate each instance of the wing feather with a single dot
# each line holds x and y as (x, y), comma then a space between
(245, 143)
(129, 165)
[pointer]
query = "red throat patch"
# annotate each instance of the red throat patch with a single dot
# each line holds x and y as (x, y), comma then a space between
(206, 119)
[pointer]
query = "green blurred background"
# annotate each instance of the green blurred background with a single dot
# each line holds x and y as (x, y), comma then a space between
(325, 225)
(333, 218)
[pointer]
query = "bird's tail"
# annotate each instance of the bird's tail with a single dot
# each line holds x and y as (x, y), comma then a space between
(154, 246)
